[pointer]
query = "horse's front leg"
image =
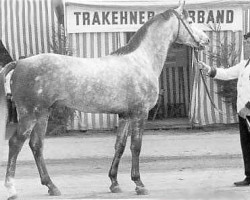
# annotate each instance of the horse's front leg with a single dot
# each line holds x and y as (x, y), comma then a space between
(136, 142)
(121, 139)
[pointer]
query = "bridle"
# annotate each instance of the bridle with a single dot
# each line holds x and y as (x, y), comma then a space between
(186, 27)
(180, 20)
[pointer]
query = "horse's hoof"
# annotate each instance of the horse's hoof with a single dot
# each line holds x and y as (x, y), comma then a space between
(12, 197)
(54, 192)
(141, 190)
(115, 189)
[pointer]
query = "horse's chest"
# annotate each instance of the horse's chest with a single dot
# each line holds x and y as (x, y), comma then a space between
(144, 91)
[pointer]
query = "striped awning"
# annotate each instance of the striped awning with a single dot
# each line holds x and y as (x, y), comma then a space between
(246, 21)
(160, 3)
(27, 26)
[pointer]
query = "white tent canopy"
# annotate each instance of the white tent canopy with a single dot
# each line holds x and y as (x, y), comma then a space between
(168, 3)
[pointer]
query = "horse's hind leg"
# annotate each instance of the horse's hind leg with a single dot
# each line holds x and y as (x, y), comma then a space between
(36, 145)
(137, 126)
(120, 144)
(16, 142)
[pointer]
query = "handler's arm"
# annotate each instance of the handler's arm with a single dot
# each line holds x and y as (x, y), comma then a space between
(228, 73)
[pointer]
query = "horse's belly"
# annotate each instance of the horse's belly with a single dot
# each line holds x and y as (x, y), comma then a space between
(120, 103)
(96, 103)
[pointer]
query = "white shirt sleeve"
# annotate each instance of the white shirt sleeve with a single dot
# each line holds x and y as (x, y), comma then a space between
(231, 72)
(7, 83)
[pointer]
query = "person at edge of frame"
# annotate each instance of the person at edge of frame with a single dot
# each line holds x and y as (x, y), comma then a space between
(12, 113)
(240, 71)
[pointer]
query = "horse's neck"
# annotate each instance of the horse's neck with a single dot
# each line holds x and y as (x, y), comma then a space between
(156, 45)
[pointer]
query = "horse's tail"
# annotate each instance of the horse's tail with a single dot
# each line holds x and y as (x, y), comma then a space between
(3, 105)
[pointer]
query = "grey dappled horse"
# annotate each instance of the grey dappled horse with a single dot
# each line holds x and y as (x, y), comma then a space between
(125, 82)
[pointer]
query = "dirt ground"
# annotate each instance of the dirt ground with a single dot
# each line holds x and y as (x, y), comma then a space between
(174, 165)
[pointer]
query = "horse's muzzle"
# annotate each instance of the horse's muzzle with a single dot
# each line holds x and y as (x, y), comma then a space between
(202, 45)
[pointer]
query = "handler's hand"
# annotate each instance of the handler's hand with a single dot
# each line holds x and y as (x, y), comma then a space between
(244, 112)
(206, 68)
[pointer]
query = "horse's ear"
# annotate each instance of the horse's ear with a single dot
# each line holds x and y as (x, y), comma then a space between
(181, 6)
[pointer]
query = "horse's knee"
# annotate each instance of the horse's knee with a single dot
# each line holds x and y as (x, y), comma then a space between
(135, 147)
(16, 141)
(36, 146)
(120, 147)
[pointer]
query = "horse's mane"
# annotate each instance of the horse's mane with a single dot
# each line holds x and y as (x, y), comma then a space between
(135, 41)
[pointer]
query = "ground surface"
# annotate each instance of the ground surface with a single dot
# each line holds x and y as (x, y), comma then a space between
(175, 164)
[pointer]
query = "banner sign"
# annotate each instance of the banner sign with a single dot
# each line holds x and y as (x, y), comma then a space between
(106, 19)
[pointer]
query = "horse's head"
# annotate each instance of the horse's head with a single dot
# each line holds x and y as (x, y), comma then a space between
(188, 33)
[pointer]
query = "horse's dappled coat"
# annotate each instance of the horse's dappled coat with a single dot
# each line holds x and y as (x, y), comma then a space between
(101, 85)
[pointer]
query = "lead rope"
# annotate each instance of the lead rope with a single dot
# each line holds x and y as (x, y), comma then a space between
(247, 62)
(206, 88)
